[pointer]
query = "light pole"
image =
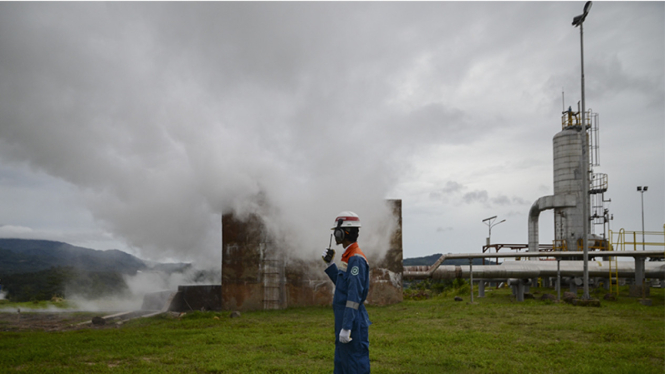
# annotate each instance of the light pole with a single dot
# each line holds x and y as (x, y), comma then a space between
(579, 21)
(490, 223)
(642, 190)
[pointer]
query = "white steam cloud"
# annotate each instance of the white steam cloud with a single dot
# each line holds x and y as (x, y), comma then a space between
(188, 112)
(138, 286)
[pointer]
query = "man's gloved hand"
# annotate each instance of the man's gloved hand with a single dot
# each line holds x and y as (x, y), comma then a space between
(345, 336)
(328, 255)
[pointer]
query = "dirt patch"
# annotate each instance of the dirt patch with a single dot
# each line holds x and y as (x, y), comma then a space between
(49, 321)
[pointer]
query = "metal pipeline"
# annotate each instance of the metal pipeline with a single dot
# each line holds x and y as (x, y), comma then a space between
(424, 272)
(545, 203)
(531, 269)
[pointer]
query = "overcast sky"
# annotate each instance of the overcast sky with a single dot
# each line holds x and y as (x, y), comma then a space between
(134, 125)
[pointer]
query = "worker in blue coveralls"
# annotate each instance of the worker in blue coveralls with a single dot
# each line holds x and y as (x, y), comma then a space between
(351, 281)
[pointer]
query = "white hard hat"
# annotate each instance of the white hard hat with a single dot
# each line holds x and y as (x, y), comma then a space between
(349, 219)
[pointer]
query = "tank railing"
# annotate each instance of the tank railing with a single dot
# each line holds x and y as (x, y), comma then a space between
(599, 183)
(651, 239)
(570, 119)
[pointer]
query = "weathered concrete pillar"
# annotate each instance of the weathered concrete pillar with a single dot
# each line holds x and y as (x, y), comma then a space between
(639, 270)
(520, 292)
(481, 288)
(518, 288)
(641, 287)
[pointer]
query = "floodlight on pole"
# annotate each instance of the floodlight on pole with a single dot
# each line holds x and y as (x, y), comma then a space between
(490, 223)
(579, 21)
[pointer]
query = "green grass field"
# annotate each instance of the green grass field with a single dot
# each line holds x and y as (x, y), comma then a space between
(438, 335)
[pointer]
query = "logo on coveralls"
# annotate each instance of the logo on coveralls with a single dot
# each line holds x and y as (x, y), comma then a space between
(354, 271)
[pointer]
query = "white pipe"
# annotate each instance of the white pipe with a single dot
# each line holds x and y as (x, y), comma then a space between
(531, 269)
(423, 272)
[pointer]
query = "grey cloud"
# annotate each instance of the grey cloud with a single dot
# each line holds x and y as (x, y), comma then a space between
(435, 195)
(520, 201)
(500, 200)
(478, 196)
(513, 213)
(612, 54)
(443, 193)
(611, 77)
(452, 186)
(505, 200)
(431, 123)
(475, 196)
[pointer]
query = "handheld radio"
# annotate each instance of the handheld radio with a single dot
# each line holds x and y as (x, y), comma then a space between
(331, 252)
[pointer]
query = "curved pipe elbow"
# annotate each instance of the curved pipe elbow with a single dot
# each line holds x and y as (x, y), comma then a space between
(545, 203)
(534, 215)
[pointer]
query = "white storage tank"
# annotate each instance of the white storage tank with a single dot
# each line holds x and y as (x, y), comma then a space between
(568, 179)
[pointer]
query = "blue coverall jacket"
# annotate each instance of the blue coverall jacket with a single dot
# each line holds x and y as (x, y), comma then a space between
(351, 286)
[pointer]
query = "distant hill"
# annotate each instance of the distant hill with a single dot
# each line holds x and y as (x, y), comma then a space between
(421, 261)
(42, 269)
(28, 256)
(431, 259)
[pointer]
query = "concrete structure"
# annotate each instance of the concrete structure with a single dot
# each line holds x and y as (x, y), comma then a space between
(247, 266)
(197, 297)
(185, 299)
(258, 274)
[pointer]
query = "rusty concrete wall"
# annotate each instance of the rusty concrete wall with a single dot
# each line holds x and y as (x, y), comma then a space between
(307, 284)
(197, 297)
(246, 274)
(242, 286)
